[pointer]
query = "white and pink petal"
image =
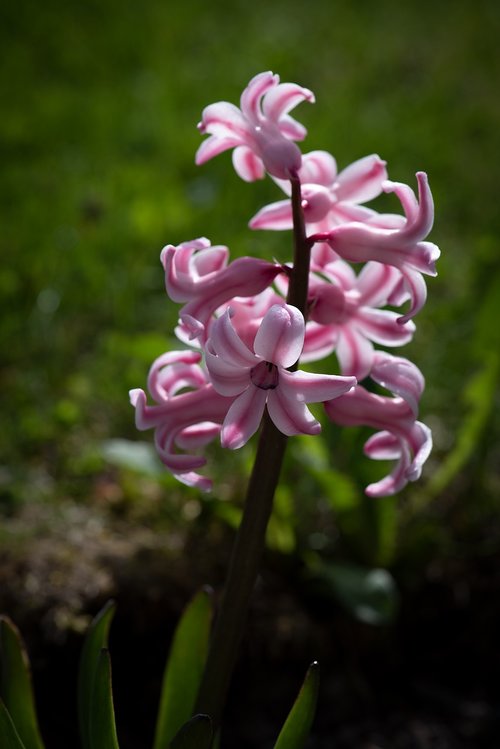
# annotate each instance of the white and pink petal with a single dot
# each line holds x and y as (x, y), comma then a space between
(354, 352)
(362, 180)
(247, 164)
(280, 338)
(290, 415)
(243, 418)
(309, 387)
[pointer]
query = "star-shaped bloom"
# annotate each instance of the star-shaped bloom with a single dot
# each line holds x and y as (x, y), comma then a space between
(261, 132)
(329, 197)
(345, 315)
(260, 378)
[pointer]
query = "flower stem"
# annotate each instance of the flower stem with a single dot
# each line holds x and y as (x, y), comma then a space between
(299, 281)
(242, 573)
(250, 539)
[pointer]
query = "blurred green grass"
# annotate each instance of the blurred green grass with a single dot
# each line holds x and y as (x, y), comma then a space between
(97, 140)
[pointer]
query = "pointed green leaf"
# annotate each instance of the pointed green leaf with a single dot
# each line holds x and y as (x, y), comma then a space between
(96, 640)
(195, 734)
(15, 685)
(102, 714)
(184, 669)
(9, 737)
(294, 733)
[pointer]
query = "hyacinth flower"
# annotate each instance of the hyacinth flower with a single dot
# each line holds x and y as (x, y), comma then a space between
(402, 247)
(197, 273)
(260, 378)
(402, 438)
(344, 315)
(182, 420)
(261, 132)
(329, 198)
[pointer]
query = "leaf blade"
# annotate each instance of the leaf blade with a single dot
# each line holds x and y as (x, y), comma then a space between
(95, 641)
(16, 685)
(9, 737)
(102, 727)
(184, 669)
(296, 728)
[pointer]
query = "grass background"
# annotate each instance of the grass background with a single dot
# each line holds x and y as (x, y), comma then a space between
(97, 138)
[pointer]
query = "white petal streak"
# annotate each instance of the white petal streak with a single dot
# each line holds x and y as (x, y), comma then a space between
(224, 120)
(289, 415)
(226, 378)
(280, 338)
(251, 97)
(354, 352)
(376, 282)
(243, 418)
(247, 165)
(213, 146)
(307, 387)
(318, 168)
(382, 326)
(362, 180)
(227, 344)
(280, 100)
(276, 216)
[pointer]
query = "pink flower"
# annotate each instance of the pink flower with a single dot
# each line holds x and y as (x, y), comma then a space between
(344, 315)
(260, 378)
(402, 246)
(181, 420)
(261, 132)
(402, 437)
(328, 198)
(197, 273)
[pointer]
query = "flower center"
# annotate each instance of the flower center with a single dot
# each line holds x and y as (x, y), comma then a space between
(328, 305)
(316, 202)
(265, 375)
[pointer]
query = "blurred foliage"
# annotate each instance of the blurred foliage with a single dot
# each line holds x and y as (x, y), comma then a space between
(97, 139)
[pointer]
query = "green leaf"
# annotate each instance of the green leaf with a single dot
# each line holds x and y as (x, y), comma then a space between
(197, 733)
(294, 733)
(102, 715)
(184, 669)
(15, 685)
(9, 737)
(96, 640)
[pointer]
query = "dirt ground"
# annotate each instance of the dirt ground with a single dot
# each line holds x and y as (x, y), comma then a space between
(429, 681)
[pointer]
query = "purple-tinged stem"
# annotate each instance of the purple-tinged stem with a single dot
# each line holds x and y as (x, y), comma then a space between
(251, 537)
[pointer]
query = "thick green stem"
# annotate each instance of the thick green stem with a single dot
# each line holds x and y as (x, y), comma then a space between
(250, 539)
